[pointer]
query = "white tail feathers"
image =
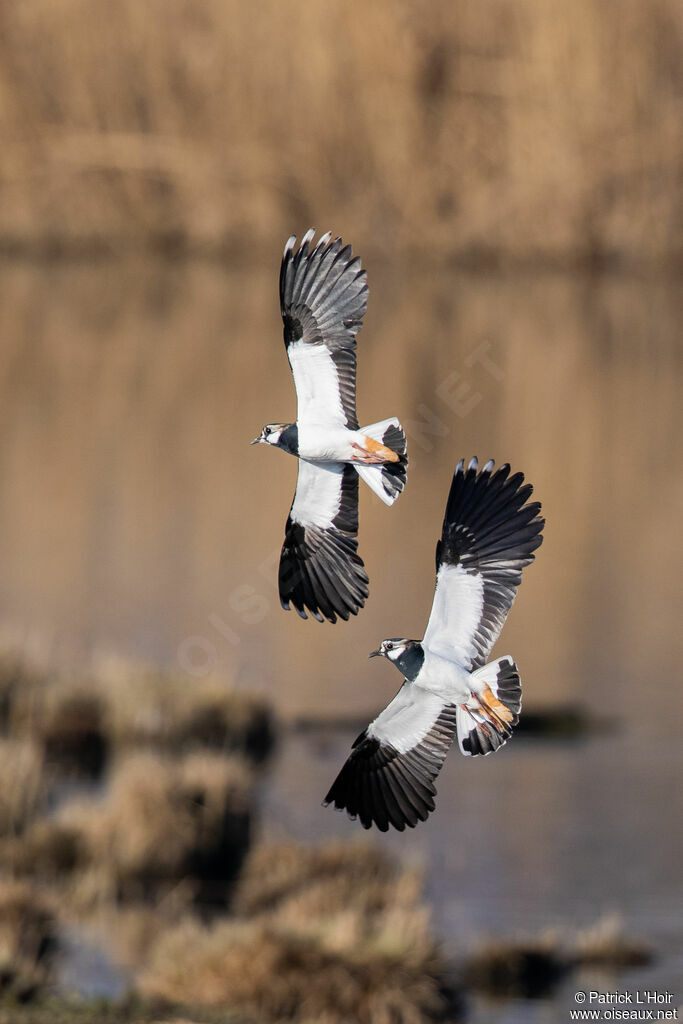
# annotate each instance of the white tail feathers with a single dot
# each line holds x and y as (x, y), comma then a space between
(386, 480)
(487, 720)
(378, 430)
(373, 478)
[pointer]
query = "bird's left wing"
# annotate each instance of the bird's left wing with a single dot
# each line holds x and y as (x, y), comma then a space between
(323, 297)
(489, 534)
(320, 568)
(389, 776)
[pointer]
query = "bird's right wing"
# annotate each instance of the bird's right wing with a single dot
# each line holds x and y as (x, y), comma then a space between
(320, 568)
(389, 776)
(323, 296)
(489, 534)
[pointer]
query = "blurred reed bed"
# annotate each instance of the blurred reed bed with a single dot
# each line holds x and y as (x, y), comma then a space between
(152, 854)
(149, 847)
(530, 967)
(28, 942)
(122, 784)
(79, 719)
(342, 936)
(526, 132)
(160, 821)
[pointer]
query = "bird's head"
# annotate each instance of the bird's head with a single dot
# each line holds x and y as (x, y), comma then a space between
(271, 434)
(406, 655)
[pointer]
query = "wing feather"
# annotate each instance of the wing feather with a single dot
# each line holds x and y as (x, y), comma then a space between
(489, 534)
(323, 298)
(388, 778)
(320, 568)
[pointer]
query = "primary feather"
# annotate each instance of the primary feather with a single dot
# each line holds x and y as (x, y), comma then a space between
(323, 298)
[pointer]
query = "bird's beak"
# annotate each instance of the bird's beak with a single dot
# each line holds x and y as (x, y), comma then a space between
(376, 654)
(256, 440)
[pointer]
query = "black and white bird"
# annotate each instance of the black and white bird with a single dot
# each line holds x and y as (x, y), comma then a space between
(323, 297)
(490, 532)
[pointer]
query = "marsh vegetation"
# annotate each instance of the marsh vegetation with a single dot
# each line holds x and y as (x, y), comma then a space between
(158, 858)
(478, 132)
(155, 855)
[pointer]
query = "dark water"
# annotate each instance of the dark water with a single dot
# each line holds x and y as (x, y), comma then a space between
(136, 522)
(545, 837)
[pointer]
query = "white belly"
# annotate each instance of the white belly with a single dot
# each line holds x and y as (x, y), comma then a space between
(445, 677)
(326, 444)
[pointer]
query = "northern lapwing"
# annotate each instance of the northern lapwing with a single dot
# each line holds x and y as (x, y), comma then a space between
(323, 295)
(490, 532)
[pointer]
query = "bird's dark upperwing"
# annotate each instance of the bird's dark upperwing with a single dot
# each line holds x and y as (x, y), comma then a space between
(389, 777)
(320, 568)
(489, 534)
(323, 297)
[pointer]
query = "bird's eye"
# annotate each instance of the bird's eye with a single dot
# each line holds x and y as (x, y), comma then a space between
(267, 430)
(389, 647)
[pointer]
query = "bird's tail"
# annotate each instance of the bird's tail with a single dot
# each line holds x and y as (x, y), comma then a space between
(486, 721)
(387, 479)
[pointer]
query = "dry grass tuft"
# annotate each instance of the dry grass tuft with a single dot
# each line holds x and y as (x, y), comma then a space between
(162, 826)
(161, 710)
(63, 715)
(605, 944)
(532, 967)
(343, 896)
(49, 850)
(18, 684)
(28, 941)
(72, 734)
(271, 975)
(277, 871)
(23, 790)
(520, 969)
(79, 721)
(333, 934)
(164, 821)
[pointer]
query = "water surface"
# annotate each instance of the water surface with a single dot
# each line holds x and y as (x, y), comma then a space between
(136, 522)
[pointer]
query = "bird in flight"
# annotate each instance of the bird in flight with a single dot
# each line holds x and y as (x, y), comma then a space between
(490, 532)
(323, 297)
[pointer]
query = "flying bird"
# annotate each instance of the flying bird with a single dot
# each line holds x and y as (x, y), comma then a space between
(323, 298)
(490, 532)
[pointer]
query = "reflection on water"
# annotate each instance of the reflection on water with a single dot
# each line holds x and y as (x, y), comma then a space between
(135, 520)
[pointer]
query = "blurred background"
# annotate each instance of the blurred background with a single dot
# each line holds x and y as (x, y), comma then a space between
(511, 177)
